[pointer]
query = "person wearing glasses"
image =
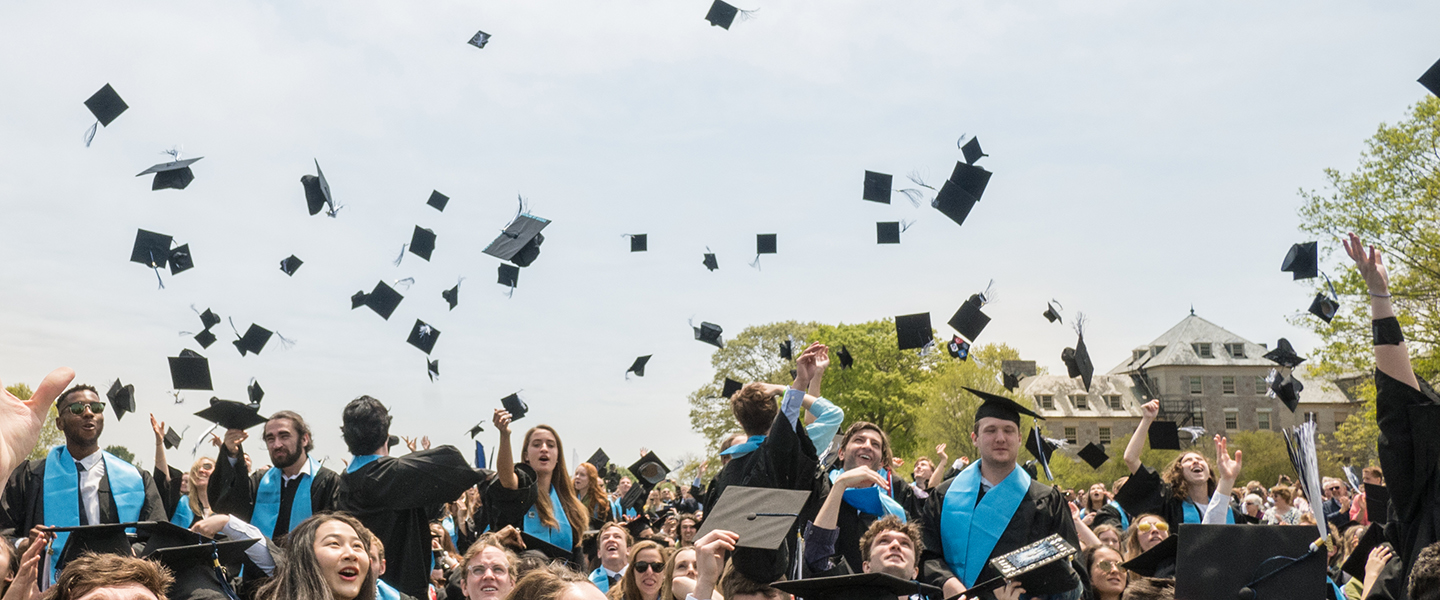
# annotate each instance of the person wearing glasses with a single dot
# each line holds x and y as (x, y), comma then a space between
(644, 574)
(1108, 577)
(1337, 501)
(1147, 532)
(490, 570)
(77, 483)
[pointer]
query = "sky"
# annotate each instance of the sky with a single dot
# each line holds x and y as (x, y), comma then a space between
(1147, 159)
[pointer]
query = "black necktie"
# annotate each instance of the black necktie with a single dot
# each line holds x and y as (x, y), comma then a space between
(287, 500)
(80, 493)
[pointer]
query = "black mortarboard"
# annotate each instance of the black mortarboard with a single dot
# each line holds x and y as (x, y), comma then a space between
(106, 105)
(151, 249)
(190, 371)
(164, 534)
(432, 369)
(638, 242)
(422, 242)
(638, 367)
(253, 341)
(1082, 362)
(649, 469)
(1000, 407)
(1377, 503)
(1355, 565)
(1051, 313)
(954, 202)
(478, 429)
(710, 333)
(392, 441)
(1150, 561)
(255, 393)
(1164, 435)
(383, 300)
(958, 347)
(1431, 79)
(846, 361)
(451, 296)
(1303, 260)
(438, 200)
(290, 265)
(731, 386)
(551, 551)
(1286, 388)
(969, 321)
(765, 243)
(1093, 454)
(877, 187)
(423, 336)
(710, 262)
(599, 460)
(913, 331)
(173, 175)
(721, 14)
(100, 539)
(193, 566)
(231, 414)
(1033, 444)
(887, 232)
(1219, 561)
(509, 275)
(1010, 381)
(761, 516)
(515, 406)
(1324, 307)
(479, 39)
(172, 438)
(972, 150)
(859, 586)
(1034, 565)
(971, 179)
(1284, 354)
(317, 191)
(122, 399)
(520, 242)
(787, 350)
(209, 319)
(636, 526)
(181, 260)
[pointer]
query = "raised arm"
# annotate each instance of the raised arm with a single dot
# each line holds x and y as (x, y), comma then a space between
(21, 420)
(942, 464)
(1391, 358)
(161, 466)
(1229, 469)
(1087, 536)
(504, 460)
(1142, 433)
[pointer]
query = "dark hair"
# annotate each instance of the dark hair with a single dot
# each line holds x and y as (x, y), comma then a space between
(299, 578)
(1087, 558)
(886, 458)
(733, 583)
(80, 387)
(12, 562)
(365, 425)
(1149, 588)
(549, 582)
(911, 529)
(754, 407)
(301, 428)
(93, 571)
(1424, 583)
(628, 587)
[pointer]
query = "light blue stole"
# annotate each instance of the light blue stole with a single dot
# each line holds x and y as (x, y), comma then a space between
(361, 461)
(1124, 518)
(614, 510)
(560, 536)
(872, 500)
(267, 499)
(969, 530)
(183, 516)
(744, 448)
(448, 524)
(601, 579)
(1192, 514)
(385, 591)
(62, 495)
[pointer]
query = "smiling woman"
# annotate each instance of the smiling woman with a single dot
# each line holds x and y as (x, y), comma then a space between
(329, 559)
(644, 575)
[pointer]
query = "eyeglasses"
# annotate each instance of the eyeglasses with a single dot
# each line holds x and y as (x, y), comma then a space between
(481, 570)
(1107, 566)
(79, 407)
(1146, 527)
(653, 567)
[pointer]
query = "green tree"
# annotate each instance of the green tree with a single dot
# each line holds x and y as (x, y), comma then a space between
(123, 453)
(50, 436)
(753, 355)
(948, 414)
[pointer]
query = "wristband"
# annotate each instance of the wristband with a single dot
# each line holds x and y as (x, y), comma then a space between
(1387, 331)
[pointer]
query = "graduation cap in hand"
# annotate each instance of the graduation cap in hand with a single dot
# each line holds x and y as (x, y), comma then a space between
(122, 399)
(515, 406)
(1284, 354)
(174, 175)
(317, 192)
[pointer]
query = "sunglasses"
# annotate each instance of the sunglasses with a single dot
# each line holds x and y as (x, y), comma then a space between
(1107, 566)
(1145, 527)
(79, 407)
(654, 567)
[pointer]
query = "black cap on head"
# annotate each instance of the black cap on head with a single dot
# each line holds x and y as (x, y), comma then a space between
(846, 361)
(106, 105)
(969, 321)
(452, 295)
(231, 414)
(151, 249)
(1284, 354)
(1218, 561)
(1324, 307)
(515, 406)
(423, 336)
(1000, 407)
(710, 333)
(639, 524)
(383, 300)
(887, 232)
(1355, 565)
(1093, 454)
(710, 262)
(253, 341)
(859, 586)
(731, 386)
(1303, 260)
(422, 242)
(721, 14)
(1431, 79)
(765, 243)
(1164, 435)
(317, 191)
(190, 371)
(972, 150)
(172, 438)
(194, 566)
(181, 260)
(122, 399)
(1148, 563)
(438, 200)
(877, 187)
(290, 265)
(638, 242)
(599, 460)
(100, 539)
(520, 242)
(172, 175)
(479, 39)
(649, 469)
(551, 551)
(954, 202)
(638, 367)
(913, 331)
(761, 516)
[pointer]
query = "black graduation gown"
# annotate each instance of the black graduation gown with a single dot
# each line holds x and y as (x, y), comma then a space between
(395, 497)
(167, 483)
(1042, 512)
(1145, 493)
(852, 523)
(508, 507)
(1408, 451)
(22, 506)
(232, 488)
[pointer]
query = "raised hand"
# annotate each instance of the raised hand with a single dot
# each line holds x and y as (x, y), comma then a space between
(861, 477)
(1376, 563)
(940, 452)
(805, 368)
(1228, 467)
(158, 427)
(1371, 264)
(21, 420)
(25, 585)
(409, 442)
(822, 360)
(233, 439)
(425, 442)
(502, 421)
(211, 525)
(1150, 409)
(710, 552)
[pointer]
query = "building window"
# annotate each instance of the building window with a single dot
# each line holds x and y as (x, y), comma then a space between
(1071, 436)
(1235, 350)
(1262, 419)
(1202, 350)
(1232, 418)
(1104, 436)
(1197, 417)
(1139, 354)
(1196, 387)
(1261, 388)
(1047, 402)
(1080, 401)
(1227, 384)
(1115, 403)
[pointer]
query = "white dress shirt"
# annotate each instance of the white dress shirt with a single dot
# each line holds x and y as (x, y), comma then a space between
(91, 470)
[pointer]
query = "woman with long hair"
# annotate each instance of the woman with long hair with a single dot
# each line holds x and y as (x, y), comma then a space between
(1145, 533)
(184, 495)
(644, 575)
(590, 488)
(1107, 576)
(679, 579)
(327, 558)
(1109, 535)
(535, 496)
(1182, 493)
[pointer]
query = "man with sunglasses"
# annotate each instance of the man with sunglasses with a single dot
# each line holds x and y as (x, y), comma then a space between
(77, 483)
(1337, 501)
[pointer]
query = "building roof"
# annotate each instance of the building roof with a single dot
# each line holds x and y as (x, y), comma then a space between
(1177, 347)
(1101, 386)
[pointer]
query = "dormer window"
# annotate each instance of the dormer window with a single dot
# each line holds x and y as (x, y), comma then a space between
(1139, 354)
(1235, 350)
(1202, 350)
(1156, 350)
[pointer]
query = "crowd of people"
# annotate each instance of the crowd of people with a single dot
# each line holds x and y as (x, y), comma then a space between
(426, 524)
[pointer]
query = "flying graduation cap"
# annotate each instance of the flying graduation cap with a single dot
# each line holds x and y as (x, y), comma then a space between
(520, 242)
(423, 336)
(958, 348)
(253, 341)
(787, 351)
(1431, 79)
(175, 175)
(709, 261)
(290, 265)
(846, 361)
(968, 320)
(638, 242)
(106, 105)
(1284, 355)
(1164, 435)
(432, 368)
(452, 295)
(1285, 387)
(1077, 359)
(515, 406)
(422, 242)
(971, 150)
(153, 250)
(1094, 455)
(1303, 260)
(479, 39)
(649, 470)
(255, 393)
(959, 194)
(1052, 312)
(190, 371)
(913, 331)
(599, 460)
(722, 14)
(877, 187)
(1042, 449)
(887, 232)
(383, 300)
(122, 399)
(231, 414)
(172, 439)
(1324, 306)
(478, 429)
(731, 386)
(509, 276)
(638, 367)
(765, 243)
(437, 200)
(317, 193)
(710, 333)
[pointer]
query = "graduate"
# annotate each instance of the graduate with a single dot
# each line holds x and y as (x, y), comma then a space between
(278, 498)
(1182, 493)
(536, 496)
(590, 488)
(613, 549)
(182, 492)
(993, 507)
(397, 497)
(863, 499)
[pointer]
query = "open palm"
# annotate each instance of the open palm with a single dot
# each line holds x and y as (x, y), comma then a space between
(20, 420)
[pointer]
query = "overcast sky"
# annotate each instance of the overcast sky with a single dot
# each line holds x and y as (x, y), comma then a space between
(1147, 157)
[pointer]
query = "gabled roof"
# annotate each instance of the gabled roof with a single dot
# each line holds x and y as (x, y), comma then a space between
(1176, 347)
(1062, 388)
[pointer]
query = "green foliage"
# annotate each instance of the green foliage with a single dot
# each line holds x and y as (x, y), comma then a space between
(50, 436)
(949, 414)
(753, 355)
(1356, 439)
(123, 453)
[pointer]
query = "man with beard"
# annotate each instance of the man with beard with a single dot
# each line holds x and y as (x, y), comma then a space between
(614, 552)
(274, 499)
(860, 491)
(77, 483)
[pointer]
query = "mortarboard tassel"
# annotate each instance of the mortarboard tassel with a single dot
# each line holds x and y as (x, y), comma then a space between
(90, 133)
(403, 284)
(402, 254)
(154, 266)
(285, 342)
